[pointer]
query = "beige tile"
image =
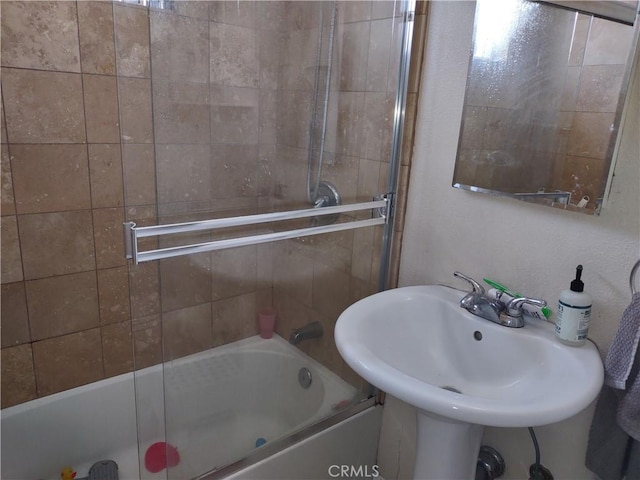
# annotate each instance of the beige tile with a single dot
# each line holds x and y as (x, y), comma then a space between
(43, 107)
(97, 49)
(301, 15)
(324, 349)
(362, 254)
(377, 247)
(108, 236)
(179, 48)
(600, 87)
(271, 15)
(186, 331)
(355, 11)
(417, 53)
(380, 51)
(234, 319)
(234, 170)
(297, 65)
(66, 362)
(113, 294)
(62, 305)
(608, 43)
(579, 39)
(330, 290)
(242, 13)
(117, 349)
(40, 35)
(105, 170)
(68, 237)
(295, 110)
(145, 290)
(368, 180)
(234, 56)
(335, 249)
(583, 176)
(139, 168)
(17, 378)
(234, 115)
(353, 56)
(193, 8)
(290, 314)
(147, 341)
(234, 272)
(359, 289)
(181, 113)
(377, 126)
(184, 173)
(590, 134)
(8, 206)
(50, 178)
(11, 265)
(570, 89)
(136, 123)
(422, 7)
(350, 119)
(131, 26)
(385, 9)
(270, 47)
(401, 198)
(292, 273)
(185, 281)
(101, 108)
(268, 121)
(408, 135)
(15, 321)
(3, 122)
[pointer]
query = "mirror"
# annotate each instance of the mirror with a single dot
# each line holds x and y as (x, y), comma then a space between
(544, 99)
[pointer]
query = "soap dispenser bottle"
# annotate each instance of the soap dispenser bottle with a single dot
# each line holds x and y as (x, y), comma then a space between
(574, 313)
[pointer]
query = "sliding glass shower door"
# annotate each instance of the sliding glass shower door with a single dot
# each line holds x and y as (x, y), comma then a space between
(273, 162)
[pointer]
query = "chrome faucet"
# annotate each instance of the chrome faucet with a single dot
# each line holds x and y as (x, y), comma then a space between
(309, 331)
(512, 316)
(479, 303)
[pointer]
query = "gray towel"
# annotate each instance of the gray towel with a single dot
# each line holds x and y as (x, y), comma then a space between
(622, 353)
(607, 451)
(622, 367)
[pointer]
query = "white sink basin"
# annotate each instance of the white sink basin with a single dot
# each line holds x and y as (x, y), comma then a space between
(417, 344)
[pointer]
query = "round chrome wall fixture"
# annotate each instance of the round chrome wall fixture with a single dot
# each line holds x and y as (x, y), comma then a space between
(326, 196)
(305, 378)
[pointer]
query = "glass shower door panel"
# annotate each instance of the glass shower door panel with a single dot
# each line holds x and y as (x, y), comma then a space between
(228, 390)
(258, 107)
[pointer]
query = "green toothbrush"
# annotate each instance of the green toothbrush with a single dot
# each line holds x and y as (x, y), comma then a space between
(546, 311)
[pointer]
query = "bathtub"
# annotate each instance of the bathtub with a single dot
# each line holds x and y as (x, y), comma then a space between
(218, 403)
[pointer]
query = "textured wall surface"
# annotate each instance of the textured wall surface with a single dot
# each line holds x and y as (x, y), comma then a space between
(531, 248)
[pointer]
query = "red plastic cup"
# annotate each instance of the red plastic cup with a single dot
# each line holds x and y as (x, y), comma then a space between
(266, 322)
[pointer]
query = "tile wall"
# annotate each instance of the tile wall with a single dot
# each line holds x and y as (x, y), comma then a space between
(98, 128)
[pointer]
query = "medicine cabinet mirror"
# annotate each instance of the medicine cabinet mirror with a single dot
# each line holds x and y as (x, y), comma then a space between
(544, 99)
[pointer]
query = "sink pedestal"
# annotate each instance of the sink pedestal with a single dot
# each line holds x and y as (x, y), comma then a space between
(446, 448)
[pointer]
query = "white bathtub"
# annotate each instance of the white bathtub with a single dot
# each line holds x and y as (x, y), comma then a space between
(218, 403)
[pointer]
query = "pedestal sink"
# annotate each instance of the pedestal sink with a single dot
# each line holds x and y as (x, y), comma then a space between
(462, 372)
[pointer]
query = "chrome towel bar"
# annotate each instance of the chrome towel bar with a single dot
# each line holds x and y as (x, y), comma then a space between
(632, 278)
(133, 233)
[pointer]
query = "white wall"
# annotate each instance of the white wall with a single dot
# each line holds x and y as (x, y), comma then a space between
(530, 248)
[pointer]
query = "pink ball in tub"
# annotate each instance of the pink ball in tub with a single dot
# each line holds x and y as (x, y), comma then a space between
(161, 455)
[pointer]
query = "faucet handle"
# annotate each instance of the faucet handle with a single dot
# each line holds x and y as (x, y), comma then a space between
(514, 307)
(477, 288)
